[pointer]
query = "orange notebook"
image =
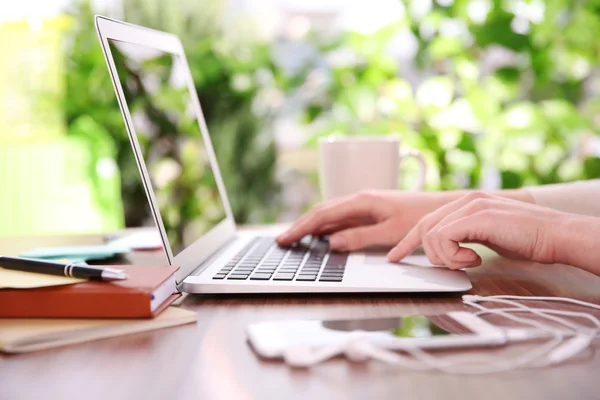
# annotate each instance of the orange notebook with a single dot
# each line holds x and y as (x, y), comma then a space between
(147, 291)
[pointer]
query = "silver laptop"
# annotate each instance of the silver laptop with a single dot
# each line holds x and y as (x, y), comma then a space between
(159, 103)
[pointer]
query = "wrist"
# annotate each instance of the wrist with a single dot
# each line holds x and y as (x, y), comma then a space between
(576, 242)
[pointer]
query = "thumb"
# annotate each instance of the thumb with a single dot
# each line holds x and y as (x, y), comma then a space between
(358, 238)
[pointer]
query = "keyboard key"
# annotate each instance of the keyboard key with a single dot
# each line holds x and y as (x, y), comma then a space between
(304, 272)
(331, 275)
(306, 278)
(287, 276)
(238, 277)
(330, 279)
(337, 259)
(334, 271)
(219, 276)
(260, 277)
(240, 272)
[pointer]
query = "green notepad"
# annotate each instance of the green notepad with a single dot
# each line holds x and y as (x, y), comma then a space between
(76, 253)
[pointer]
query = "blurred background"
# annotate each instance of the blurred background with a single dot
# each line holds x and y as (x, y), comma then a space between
(494, 93)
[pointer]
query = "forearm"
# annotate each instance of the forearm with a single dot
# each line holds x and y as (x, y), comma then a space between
(576, 197)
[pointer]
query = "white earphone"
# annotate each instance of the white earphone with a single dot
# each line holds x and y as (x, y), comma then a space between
(562, 344)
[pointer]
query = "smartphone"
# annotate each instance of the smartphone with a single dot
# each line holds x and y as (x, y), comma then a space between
(451, 330)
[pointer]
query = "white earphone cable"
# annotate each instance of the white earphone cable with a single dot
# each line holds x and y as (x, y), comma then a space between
(562, 344)
(537, 298)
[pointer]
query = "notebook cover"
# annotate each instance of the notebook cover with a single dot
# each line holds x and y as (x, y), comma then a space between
(129, 298)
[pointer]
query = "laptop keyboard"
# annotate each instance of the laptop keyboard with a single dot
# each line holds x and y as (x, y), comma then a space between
(263, 259)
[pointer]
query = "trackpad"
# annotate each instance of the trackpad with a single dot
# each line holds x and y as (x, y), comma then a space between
(416, 259)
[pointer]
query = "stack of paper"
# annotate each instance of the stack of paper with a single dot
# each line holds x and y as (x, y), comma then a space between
(25, 335)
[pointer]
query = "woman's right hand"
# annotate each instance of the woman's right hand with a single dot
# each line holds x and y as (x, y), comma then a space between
(372, 218)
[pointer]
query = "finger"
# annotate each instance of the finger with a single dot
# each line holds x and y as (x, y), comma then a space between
(362, 237)
(284, 238)
(358, 206)
(414, 238)
(476, 227)
(433, 242)
(452, 257)
(431, 251)
(456, 257)
(337, 227)
(476, 206)
(411, 241)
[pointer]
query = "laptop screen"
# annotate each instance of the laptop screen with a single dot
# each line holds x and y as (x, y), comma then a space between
(169, 136)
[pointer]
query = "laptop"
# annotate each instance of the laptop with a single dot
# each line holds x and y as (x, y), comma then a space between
(189, 203)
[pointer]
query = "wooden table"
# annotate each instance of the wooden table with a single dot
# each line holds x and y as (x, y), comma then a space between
(211, 360)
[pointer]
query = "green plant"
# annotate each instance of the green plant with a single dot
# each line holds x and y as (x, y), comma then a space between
(240, 135)
(524, 117)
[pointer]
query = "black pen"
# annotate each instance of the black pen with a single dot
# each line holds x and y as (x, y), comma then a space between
(61, 269)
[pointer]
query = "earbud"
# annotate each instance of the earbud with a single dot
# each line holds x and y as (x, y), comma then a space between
(304, 356)
(358, 350)
(472, 298)
(361, 350)
(570, 349)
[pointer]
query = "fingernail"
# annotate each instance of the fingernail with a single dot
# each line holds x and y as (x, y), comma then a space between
(338, 242)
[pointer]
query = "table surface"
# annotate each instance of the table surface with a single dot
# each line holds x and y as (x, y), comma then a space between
(212, 360)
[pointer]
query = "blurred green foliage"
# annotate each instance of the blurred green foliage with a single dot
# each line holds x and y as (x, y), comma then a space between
(494, 85)
(501, 85)
(228, 86)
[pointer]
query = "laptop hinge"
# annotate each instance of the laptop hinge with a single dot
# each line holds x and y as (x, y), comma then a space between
(209, 260)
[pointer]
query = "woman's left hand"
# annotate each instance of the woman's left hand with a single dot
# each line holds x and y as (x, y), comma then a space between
(512, 228)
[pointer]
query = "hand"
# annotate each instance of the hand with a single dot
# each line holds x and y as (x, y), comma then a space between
(366, 219)
(512, 228)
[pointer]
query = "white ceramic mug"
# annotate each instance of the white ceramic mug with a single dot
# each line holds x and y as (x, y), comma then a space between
(350, 164)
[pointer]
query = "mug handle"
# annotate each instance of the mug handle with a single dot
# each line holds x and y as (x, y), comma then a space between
(404, 154)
